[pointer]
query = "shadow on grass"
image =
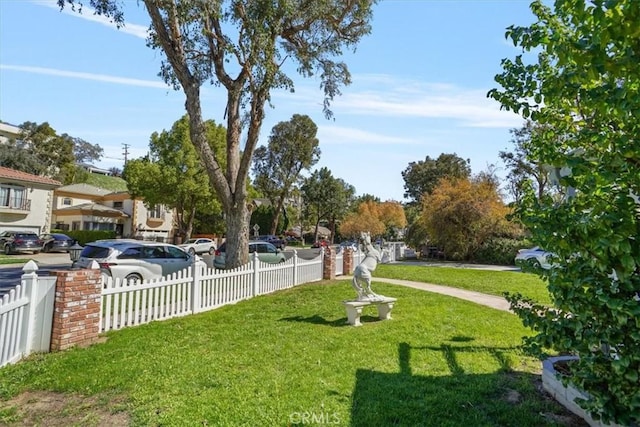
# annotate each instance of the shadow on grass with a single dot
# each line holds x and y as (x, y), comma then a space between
(405, 399)
(319, 320)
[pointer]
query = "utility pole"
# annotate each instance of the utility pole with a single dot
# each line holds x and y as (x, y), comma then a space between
(125, 152)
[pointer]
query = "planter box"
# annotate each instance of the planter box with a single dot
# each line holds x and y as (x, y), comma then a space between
(566, 395)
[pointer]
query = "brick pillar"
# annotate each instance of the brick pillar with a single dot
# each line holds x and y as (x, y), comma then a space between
(76, 313)
(329, 264)
(347, 262)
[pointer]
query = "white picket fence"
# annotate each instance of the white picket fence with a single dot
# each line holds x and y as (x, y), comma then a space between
(26, 314)
(199, 289)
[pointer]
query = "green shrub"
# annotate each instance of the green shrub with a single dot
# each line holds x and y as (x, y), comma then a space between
(500, 251)
(85, 236)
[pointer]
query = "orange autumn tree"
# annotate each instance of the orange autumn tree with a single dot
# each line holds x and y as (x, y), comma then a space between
(375, 217)
(393, 217)
(459, 215)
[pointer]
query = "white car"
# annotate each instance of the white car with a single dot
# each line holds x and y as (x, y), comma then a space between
(534, 257)
(134, 261)
(200, 245)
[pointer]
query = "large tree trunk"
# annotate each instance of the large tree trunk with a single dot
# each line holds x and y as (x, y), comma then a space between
(230, 185)
(237, 220)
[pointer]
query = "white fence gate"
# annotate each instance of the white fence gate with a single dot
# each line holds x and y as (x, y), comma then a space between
(26, 316)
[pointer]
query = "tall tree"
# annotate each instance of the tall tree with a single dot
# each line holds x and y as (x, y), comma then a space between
(174, 165)
(326, 198)
(54, 152)
(459, 215)
(292, 148)
(380, 219)
(244, 46)
(579, 76)
(422, 177)
(365, 198)
(18, 155)
(393, 217)
(86, 152)
(524, 168)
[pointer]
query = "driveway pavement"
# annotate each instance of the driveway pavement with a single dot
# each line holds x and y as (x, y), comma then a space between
(10, 274)
(42, 259)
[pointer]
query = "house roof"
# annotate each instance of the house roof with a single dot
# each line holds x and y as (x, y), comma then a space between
(93, 209)
(27, 177)
(84, 189)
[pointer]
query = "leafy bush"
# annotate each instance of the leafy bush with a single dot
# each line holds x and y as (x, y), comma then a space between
(500, 251)
(85, 236)
(584, 90)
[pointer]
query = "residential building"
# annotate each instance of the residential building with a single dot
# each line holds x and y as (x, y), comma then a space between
(26, 201)
(86, 207)
(9, 132)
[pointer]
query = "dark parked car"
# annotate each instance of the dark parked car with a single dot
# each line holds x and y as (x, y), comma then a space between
(56, 242)
(274, 240)
(20, 241)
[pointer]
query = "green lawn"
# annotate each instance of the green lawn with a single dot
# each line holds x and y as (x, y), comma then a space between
(112, 183)
(487, 282)
(8, 259)
(290, 359)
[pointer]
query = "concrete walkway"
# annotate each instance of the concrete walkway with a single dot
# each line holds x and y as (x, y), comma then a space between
(496, 302)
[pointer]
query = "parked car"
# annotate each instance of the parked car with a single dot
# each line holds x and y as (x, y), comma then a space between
(320, 243)
(266, 253)
(134, 260)
(20, 241)
(533, 257)
(56, 242)
(199, 245)
(274, 240)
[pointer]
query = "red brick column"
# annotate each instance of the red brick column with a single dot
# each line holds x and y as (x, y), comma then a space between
(76, 313)
(329, 264)
(347, 262)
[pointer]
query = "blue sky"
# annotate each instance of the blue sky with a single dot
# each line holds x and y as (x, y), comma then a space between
(419, 86)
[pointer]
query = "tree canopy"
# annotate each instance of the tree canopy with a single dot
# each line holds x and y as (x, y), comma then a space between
(523, 165)
(292, 148)
(39, 150)
(86, 152)
(326, 198)
(583, 86)
(422, 177)
(174, 165)
(461, 214)
(243, 46)
(380, 219)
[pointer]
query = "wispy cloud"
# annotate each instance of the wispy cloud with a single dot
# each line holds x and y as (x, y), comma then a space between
(89, 14)
(385, 95)
(86, 76)
(399, 98)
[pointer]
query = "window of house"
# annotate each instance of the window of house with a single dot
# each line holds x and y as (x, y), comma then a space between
(117, 205)
(75, 225)
(61, 226)
(13, 196)
(156, 212)
(66, 201)
(94, 225)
